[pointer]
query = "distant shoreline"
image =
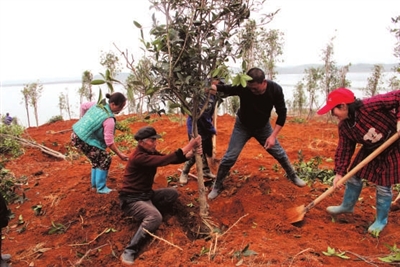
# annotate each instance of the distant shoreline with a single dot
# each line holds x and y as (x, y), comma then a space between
(122, 76)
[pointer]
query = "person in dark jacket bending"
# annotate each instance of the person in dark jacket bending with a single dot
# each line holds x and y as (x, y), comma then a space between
(137, 197)
(253, 120)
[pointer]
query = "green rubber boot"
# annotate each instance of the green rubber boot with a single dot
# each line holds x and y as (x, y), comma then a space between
(93, 178)
(382, 211)
(349, 200)
(101, 178)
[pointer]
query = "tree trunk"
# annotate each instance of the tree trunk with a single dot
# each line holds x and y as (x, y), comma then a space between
(27, 113)
(200, 179)
(36, 116)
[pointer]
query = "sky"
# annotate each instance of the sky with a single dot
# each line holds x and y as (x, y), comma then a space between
(63, 38)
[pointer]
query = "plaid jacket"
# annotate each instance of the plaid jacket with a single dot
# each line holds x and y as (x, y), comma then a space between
(375, 122)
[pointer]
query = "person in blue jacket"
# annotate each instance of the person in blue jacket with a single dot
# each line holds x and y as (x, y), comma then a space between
(206, 130)
(8, 119)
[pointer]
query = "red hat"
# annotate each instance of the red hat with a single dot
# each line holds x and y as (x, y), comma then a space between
(336, 97)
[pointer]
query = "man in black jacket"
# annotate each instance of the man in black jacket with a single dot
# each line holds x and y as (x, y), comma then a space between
(253, 120)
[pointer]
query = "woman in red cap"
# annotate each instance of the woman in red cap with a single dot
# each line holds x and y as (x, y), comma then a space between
(369, 122)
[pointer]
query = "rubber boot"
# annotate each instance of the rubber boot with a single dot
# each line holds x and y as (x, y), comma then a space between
(132, 250)
(218, 184)
(183, 179)
(5, 258)
(93, 178)
(349, 200)
(101, 178)
(382, 211)
(290, 173)
(206, 169)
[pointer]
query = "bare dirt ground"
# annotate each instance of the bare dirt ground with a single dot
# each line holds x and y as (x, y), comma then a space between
(251, 212)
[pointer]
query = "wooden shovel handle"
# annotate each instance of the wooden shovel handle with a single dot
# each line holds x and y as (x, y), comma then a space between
(353, 171)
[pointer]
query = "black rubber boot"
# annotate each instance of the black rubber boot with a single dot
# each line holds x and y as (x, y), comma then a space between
(183, 179)
(290, 173)
(206, 169)
(5, 258)
(132, 250)
(218, 184)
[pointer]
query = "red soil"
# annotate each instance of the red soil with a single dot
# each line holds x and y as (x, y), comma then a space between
(252, 209)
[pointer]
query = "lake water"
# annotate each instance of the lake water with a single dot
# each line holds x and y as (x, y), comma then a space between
(11, 98)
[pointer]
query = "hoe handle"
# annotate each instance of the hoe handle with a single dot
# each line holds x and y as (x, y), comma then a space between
(353, 171)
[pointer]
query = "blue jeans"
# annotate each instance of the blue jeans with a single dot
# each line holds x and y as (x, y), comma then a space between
(240, 136)
(380, 189)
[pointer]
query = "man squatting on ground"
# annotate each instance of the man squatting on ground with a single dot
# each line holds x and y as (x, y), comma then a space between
(137, 198)
(253, 120)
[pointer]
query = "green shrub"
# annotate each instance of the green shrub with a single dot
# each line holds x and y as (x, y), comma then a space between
(9, 145)
(10, 186)
(55, 118)
(310, 171)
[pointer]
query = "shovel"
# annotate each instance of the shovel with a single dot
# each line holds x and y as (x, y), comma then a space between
(297, 214)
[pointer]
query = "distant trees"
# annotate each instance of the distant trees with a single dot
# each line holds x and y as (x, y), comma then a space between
(86, 89)
(141, 78)
(312, 84)
(261, 47)
(396, 32)
(111, 62)
(374, 82)
(32, 92)
(25, 93)
(299, 98)
(394, 81)
(320, 80)
(63, 103)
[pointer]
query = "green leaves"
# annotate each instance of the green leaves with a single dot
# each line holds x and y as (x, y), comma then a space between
(137, 24)
(107, 79)
(245, 252)
(37, 209)
(394, 256)
(57, 228)
(98, 82)
(241, 79)
(310, 170)
(332, 252)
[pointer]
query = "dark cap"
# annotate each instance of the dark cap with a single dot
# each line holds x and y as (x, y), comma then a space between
(146, 132)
